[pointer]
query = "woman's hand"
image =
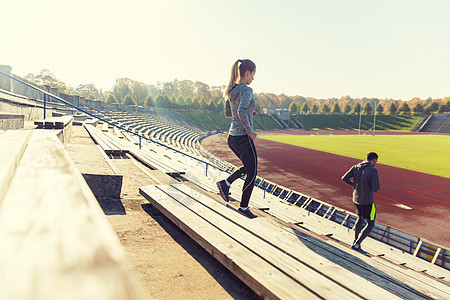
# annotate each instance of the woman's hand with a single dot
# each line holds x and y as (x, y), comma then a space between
(252, 136)
(255, 113)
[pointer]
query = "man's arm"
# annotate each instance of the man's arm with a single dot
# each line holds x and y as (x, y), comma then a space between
(346, 177)
(375, 181)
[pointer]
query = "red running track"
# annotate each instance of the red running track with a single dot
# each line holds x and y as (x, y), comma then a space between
(318, 175)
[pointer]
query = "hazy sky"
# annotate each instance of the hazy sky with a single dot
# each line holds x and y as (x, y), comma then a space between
(387, 48)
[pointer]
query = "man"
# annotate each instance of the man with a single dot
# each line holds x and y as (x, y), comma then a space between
(365, 182)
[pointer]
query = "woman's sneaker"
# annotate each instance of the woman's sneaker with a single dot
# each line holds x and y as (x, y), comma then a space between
(247, 213)
(358, 248)
(224, 190)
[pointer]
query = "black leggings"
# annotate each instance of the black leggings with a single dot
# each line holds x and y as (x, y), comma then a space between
(367, 229)
(244, 148)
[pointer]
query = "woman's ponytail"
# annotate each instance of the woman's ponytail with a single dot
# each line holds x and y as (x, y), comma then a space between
(233, 77)
(240, 67)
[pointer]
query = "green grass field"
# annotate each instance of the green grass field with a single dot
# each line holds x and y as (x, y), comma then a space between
(424, 153)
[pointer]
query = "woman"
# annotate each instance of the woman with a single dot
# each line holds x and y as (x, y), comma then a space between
(240, 106)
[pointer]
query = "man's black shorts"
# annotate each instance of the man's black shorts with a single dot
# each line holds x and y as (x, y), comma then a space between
(367, 212)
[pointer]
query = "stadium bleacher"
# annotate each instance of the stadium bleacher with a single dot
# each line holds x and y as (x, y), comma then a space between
(47, 211)
(439, 123)
(298, 246)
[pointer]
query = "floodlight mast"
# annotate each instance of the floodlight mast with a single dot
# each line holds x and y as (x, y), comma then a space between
(374, 115)
(360, 109)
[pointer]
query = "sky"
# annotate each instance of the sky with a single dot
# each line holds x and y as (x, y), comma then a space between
(397, 49)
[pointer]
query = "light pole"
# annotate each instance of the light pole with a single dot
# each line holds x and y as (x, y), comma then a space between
(360, 109)
(374, 115)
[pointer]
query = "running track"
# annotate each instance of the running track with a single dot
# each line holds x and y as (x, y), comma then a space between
(318, 174)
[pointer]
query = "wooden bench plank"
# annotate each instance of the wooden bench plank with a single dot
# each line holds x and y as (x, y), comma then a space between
(39, 123)
(12, 146)
(423, 285)
(56, 243)
(54, 123)
(266, 280)
(153, 158)
(291, 245)
(105, 127)
(61, 122)
(118, 133)
(100, 139)
(243, 230)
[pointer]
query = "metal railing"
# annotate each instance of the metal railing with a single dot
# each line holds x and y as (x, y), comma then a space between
(413, 245)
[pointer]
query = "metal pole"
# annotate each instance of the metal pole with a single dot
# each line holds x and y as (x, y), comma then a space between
(139, 142)
(359, 128)
(45, 105)
(374, 116)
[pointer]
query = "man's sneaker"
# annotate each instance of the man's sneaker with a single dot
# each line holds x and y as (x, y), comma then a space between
(224, 190)
(247, 213)
(358, 248)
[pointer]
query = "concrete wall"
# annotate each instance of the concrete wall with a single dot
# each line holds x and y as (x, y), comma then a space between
(11, 121)
(24, 90)
(30, 113)
(5, 82)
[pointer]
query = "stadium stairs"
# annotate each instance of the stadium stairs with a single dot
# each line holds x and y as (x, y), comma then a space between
(438, 123)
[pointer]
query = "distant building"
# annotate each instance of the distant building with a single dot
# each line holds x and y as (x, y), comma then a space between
(283, 114)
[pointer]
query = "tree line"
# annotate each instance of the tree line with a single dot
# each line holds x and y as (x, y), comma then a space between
(196, 95)
(390, 108)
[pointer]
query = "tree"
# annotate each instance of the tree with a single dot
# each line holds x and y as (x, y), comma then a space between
(293, 107)
(305, 108)
(211, 105)
(162, 101)
(122, 88)
(202, 90)
(128, 100)
(418, 109)
(88, 90)
(170, 89)
(180, 102)
(445, 108)
(404, 108)
(432, 108)
(149, 102)
(286, 101)
(336, 108)
(347, 108)
(356, 108)
(325, 108)
(257, 108)
(195, 103)
(367, 109)
(221, 106)
(392, 109)
(314, 108)
(45, 77)
(379, 109)
(111, 99)
(138, 91)
(203, 104)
